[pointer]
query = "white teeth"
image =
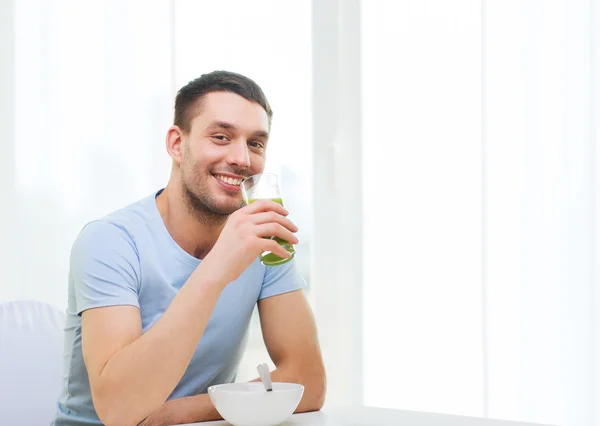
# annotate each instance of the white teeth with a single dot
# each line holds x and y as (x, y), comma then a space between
(230, 181)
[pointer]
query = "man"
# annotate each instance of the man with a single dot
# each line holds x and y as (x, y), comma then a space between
(162, 291)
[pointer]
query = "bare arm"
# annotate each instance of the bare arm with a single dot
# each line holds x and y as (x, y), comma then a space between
(129, 375)
(191, 409)
(290, 335)
(127, 370)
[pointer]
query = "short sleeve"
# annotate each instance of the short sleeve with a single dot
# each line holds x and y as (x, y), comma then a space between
(281, 279)
(105, 267)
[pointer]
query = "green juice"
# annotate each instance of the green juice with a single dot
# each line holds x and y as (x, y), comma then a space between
(268, 258)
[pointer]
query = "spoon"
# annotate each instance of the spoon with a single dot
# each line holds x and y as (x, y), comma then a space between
(265, 376)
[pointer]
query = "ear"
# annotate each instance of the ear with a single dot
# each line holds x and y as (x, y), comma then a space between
(173, 143)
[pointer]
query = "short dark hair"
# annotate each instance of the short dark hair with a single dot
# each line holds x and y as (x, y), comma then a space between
(216, 81)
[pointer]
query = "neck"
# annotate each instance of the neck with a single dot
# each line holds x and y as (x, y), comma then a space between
(195, 232)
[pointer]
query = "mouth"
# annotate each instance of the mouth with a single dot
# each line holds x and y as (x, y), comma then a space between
(229, 182)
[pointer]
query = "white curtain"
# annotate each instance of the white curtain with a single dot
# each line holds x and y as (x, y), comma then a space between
(539, 214)
(479, 218)
(92, 102)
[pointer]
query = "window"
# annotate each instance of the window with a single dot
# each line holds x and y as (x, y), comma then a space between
(422, 205)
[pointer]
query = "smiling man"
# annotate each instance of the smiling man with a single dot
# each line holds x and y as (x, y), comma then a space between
(161, 292)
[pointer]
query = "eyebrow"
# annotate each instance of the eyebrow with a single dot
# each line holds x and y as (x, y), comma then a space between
(228, 126)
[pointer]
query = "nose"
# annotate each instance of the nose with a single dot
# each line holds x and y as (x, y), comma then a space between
(239, 154)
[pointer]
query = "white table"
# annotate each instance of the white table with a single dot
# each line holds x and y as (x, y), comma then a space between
(368, 416)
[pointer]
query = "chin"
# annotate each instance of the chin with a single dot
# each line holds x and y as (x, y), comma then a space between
(233, 208)
(227, 208)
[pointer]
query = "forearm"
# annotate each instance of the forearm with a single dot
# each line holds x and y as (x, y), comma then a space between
(313, 380)
(199, 408)
(139, 378)
(191, 409)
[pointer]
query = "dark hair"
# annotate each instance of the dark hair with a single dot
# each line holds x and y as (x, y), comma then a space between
(187, 98)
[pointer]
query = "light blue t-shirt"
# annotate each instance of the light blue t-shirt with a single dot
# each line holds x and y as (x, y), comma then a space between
(129, 258)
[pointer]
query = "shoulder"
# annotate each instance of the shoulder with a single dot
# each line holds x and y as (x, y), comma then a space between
(116, 231)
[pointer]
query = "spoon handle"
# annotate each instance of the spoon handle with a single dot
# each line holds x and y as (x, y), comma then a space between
(265, 376)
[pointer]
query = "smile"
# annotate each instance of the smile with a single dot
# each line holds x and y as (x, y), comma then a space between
(229, 180)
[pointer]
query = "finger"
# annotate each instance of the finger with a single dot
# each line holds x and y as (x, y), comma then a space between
(272, 217)
(275, 230)
(275, 248)
(265, 206)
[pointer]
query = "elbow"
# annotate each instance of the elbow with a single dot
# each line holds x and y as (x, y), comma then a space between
(315, 389)
(317, 397)
(115, 417)
(112, 410)
(109, 421)
(104, 411)
(110, 415)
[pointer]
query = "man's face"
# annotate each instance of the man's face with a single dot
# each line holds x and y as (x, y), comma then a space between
(226, 143)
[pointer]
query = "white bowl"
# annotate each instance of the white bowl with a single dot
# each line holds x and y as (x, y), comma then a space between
(249, 404)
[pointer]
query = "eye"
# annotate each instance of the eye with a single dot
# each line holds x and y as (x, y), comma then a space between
(220, 138)
(257, 144)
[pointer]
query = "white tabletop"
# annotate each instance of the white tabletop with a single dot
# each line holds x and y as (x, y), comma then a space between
(368, 416)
